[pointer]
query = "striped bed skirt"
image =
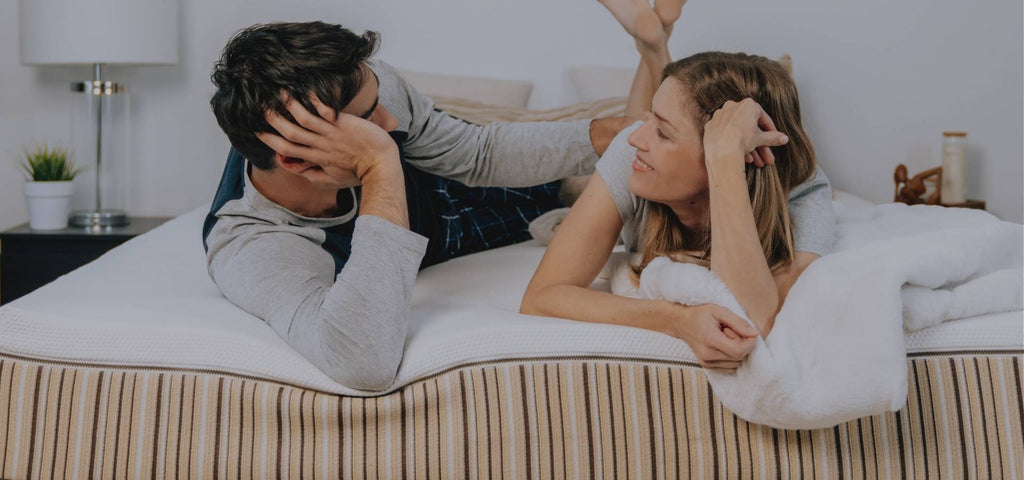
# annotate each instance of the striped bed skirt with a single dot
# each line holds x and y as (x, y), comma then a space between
(554, 418)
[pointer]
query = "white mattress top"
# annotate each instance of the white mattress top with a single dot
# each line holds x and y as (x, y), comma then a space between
(151, 303)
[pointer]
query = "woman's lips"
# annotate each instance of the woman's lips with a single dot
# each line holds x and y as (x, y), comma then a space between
(641, 166)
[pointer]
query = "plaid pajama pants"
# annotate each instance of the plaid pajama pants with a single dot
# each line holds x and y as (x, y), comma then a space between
(460, 220)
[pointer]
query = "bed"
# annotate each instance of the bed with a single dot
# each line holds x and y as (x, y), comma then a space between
(135, 366)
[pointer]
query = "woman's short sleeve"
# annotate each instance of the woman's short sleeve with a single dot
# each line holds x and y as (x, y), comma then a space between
(615, 167)
(812, 215)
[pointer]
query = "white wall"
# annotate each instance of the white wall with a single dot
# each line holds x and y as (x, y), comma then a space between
(879, 80)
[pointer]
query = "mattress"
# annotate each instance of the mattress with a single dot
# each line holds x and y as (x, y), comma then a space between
(135, 365)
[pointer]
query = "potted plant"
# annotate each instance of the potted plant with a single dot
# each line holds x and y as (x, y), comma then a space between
(48, 186)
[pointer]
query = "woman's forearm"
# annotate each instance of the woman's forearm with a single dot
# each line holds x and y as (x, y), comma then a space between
(736, 254)
(701, 326)
(578, 303)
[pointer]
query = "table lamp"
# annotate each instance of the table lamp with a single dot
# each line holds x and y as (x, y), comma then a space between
(99, 33)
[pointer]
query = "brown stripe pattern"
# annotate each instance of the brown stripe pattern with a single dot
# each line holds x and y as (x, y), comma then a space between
(544, 419)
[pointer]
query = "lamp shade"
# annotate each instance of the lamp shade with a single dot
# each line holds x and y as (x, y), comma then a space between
(78, 32)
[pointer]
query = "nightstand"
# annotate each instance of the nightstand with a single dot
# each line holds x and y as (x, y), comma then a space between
(30, 258)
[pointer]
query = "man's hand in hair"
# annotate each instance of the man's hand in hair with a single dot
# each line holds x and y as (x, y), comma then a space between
(346, 147)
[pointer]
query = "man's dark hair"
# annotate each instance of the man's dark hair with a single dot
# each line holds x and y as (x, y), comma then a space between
(261, 61)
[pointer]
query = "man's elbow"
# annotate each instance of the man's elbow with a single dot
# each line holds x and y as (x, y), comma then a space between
(370, 380)
(368, 370)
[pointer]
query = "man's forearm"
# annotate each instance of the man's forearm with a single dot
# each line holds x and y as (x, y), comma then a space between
(383, 195)
(603, 130)
(352, 325)
(363, 319)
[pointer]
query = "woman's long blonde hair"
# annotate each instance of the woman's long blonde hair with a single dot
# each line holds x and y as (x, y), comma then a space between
(712, 79)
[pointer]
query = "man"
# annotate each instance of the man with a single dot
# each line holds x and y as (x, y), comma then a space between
(344, 181)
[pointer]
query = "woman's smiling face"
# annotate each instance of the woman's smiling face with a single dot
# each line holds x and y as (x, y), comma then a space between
(669, 164)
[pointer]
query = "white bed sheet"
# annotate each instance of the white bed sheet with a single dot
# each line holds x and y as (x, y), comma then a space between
(151, 303)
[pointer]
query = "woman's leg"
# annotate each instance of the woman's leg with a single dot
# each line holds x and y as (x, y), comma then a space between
(668, 12)
(650, 28)
(641, 92)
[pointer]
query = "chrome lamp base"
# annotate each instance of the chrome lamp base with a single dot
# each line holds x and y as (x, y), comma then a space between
(98, 219)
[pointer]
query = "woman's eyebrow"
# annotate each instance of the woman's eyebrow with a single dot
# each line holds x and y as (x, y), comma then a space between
(662, 120)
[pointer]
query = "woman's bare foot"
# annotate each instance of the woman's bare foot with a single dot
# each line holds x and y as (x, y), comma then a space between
(668, 12)
(641, 21)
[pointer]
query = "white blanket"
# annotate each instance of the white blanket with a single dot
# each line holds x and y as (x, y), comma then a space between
(836, 352)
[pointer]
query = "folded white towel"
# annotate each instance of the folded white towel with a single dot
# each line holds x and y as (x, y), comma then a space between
(836, 352)
(543, 227)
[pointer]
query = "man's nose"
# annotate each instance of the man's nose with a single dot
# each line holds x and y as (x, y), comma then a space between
(385, 119)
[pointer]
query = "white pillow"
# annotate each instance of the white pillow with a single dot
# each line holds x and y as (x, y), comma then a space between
(593, 82)
(483, 114)
(491, 91)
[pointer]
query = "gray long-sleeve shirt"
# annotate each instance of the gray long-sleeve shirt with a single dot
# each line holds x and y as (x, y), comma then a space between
(352, 325)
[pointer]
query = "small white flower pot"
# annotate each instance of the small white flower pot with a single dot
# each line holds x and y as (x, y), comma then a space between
(48, 204)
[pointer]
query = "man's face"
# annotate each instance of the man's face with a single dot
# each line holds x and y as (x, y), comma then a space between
(366, 103)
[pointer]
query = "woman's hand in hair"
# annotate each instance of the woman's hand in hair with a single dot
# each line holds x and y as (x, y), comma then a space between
(739, 133)
(719, 339)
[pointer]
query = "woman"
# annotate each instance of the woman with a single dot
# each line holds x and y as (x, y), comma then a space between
(706, 178)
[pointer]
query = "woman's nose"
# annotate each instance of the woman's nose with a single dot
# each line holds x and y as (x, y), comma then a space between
(636, 137)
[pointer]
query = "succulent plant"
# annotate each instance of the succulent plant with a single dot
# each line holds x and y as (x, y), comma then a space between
(49, 164)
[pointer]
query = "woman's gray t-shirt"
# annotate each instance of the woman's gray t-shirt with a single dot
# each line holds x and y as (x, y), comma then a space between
(810, 203)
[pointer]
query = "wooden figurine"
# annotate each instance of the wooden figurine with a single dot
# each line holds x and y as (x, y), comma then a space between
(914, 187)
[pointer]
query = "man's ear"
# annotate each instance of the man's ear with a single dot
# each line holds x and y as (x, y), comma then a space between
(298, 166)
